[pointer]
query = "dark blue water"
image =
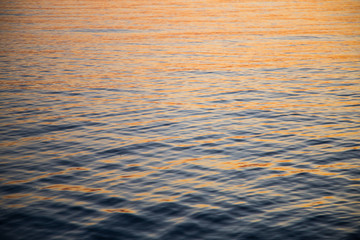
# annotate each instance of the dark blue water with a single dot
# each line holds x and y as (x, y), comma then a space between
(180, 120)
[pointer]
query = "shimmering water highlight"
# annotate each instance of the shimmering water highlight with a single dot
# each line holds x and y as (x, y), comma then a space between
(177, 120)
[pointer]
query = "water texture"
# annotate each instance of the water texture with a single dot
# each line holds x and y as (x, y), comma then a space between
(179, 120)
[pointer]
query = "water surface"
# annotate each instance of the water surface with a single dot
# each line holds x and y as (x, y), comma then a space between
(179, 119)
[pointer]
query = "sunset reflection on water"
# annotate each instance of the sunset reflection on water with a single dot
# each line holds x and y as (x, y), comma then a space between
(179, 119)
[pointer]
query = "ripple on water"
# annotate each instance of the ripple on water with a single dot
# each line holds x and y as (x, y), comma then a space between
(182, 120)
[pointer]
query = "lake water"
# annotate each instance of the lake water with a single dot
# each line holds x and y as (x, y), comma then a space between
(180, 120)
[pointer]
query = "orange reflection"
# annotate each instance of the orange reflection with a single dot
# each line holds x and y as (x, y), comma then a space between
(238, 164)
(42, 198)
(316, 204)
(339, 166)
(207, 206)
(63, 187)
(184, 58)
(119, 210)
(211, 39)
(292, 170)
(16, 195)
(16, 206)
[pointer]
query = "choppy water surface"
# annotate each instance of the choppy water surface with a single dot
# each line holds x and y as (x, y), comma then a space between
(180, 119)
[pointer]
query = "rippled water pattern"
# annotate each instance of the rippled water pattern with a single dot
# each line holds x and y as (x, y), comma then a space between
(180, 120)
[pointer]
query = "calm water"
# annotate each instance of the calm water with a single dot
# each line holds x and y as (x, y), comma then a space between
(180, 120)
